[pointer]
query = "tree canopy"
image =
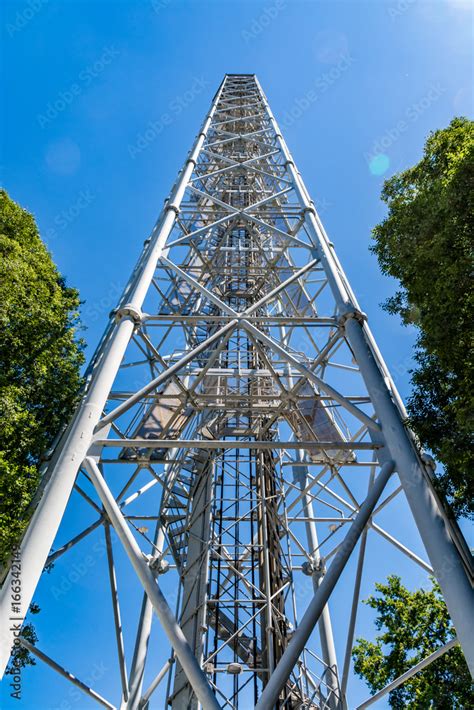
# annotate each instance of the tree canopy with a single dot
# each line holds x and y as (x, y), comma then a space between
(426, 243)
(413, 625)
(40, 359)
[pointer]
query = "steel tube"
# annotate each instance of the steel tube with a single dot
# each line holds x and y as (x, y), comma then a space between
(274, 292)
(116, 611)
(67, 546)
(66, 674)
(302, 369)
(154, 684)
(443, 555)
(403, 548)
(234, 444)
(137, 670)
(409, 673)
(355, 605)
(324, 625)
(164, 376)
(353, 616)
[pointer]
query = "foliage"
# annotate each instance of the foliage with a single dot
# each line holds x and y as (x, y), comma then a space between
(413, 625)
(40, 357)
(18, 485)
(426, 243)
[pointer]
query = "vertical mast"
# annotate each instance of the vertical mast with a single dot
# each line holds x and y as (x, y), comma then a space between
(239, 403)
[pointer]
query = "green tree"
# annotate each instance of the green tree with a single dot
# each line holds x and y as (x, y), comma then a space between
(426, 243)
(413, 625)
(40, 359)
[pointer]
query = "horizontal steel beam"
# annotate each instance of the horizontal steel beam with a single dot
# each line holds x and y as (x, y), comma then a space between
(226, 444)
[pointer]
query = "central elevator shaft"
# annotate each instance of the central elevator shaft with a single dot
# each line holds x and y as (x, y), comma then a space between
(234, 569)
(233, 602)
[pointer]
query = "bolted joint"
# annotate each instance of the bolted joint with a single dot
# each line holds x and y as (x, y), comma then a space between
(173, 207)
(311, 568)
(158, 565)
(429, 461)
(310, 209)
(308, 568)
(128, 311)
(234, 668)
(355, 314)
(320, 569)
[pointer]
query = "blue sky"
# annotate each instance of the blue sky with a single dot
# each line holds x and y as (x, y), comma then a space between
(101, 101)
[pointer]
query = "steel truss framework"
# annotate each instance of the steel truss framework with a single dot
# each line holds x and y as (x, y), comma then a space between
(238, 404)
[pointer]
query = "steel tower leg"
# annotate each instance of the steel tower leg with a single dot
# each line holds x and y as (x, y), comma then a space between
(44, 524)
(445, 558)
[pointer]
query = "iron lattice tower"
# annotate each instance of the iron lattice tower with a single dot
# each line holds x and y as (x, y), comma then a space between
(238, 404)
